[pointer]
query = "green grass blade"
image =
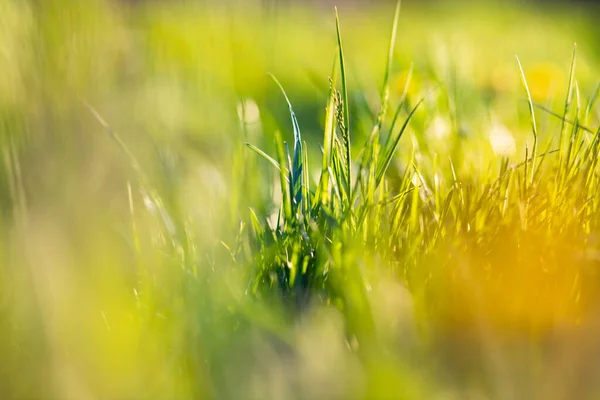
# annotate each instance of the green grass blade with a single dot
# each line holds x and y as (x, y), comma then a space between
(532, 114)
(345, 106)
(267, 157)
(569, 97)
(388, 153)
(322, 196)
(591, 103)
(402, 99)
(306, 182)
(258, 230)
(562, 118)
(370, 150)
(340, 174)
(283, 178)
(385, 92)
(296, 180)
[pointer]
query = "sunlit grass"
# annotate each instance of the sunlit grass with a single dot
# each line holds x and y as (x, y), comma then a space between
(428, 231)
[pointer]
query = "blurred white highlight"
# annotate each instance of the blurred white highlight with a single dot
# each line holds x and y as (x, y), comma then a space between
(502, 140)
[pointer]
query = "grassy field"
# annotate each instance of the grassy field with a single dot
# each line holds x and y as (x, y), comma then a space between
(240, 202)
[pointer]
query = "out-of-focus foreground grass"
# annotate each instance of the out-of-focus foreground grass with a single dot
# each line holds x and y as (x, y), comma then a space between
(116, 274)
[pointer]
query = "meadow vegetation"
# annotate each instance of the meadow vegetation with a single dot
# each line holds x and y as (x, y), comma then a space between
(244, 202)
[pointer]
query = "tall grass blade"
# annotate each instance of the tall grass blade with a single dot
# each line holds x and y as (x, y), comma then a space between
(402, 99)
(322, 196)
(388, 151)
(569, 97)
(385, 92)
(283, 178)
(296, 175)
(345, 109)
(306, 182)
(532, 114)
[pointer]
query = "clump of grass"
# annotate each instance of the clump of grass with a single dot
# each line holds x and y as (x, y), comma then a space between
(471, 249)
(307, 253)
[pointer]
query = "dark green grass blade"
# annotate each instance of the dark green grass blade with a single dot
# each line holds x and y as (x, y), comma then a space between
(296, 175)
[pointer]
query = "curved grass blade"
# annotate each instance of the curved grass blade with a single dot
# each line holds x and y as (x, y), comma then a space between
(296, 175)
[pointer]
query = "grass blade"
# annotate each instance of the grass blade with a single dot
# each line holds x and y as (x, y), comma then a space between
(385, 92)
(296, 175)
(532, 113)
(283, 178)
(390, 149)
(267, 157)
(345, 108)
(322, 196)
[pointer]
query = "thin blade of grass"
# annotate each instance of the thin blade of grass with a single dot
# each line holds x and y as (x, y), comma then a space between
(532, 115)
(345, 107)
(267, 157)
(283, 178)
(296, 166)
(134, 163)
(322, 196)
(402, 99)
(256, 226)
(569, 97)
(385, 91)
(591, 103)
(306, 183)
(562, 118)
(389, 151)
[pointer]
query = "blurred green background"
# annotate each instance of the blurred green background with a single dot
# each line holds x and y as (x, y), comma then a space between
(98, 301)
